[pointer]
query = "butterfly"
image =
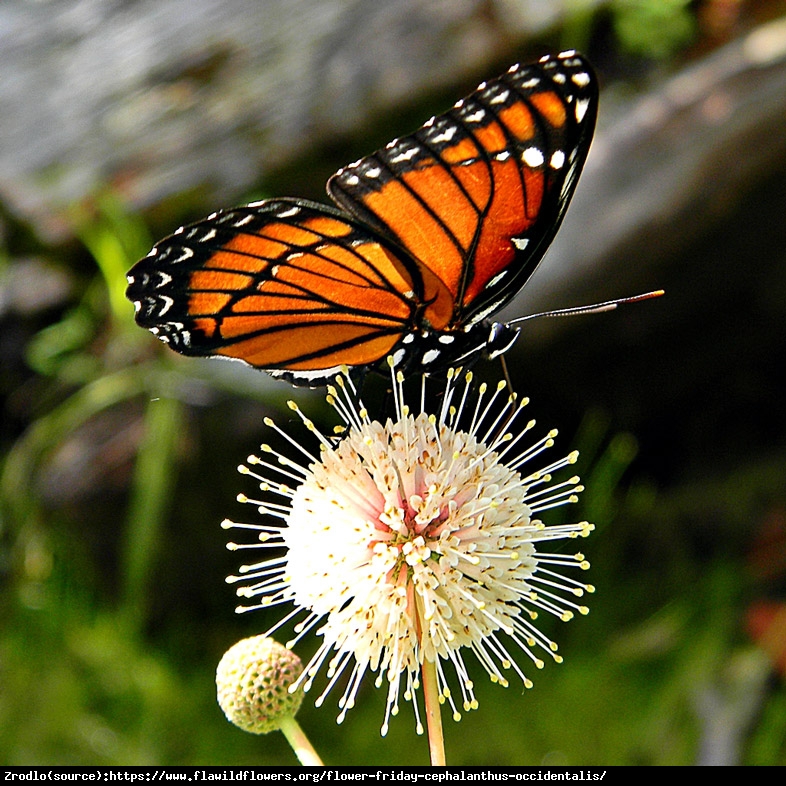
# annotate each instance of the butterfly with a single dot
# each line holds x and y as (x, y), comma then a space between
(430, 236)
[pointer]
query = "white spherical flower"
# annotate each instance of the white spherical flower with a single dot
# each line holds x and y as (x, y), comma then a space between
(410, 541)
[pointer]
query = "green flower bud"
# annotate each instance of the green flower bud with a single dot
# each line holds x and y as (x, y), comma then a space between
(252, 681)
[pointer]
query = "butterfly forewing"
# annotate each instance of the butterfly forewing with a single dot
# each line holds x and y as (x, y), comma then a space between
(283, 284)
(476, 195)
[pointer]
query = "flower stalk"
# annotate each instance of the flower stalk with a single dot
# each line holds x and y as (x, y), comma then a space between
(300, 744)
(436, 738)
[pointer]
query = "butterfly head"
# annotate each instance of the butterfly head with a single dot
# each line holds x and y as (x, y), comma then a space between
(433, 351)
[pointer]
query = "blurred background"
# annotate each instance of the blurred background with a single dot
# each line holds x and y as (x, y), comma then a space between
(123, 119)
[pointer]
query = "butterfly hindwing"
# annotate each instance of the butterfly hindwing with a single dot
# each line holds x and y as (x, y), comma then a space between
(477, 193)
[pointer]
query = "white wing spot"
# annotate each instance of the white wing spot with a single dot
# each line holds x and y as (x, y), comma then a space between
(373, 172)
(581, 79)
(502, 274)
(187, 254)
(446, 136)
(480, 316)
(520, 242)
(476, 117)
(532, 157)
(167, 304)
(398, 356)
(430, 356)
(559, 78)
(446, 339)
(292, 211)
(557, 159)
(352, 180)
(528, 83)
(500, 98)
(405, 156)
(581, 108)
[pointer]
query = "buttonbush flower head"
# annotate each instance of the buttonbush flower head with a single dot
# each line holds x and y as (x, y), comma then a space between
(252, 683)
(414, 542)
(255, 682)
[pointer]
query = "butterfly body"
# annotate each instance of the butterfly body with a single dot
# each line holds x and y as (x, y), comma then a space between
(431, 235)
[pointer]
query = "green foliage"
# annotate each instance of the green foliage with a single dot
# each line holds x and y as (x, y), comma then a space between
(653, 28)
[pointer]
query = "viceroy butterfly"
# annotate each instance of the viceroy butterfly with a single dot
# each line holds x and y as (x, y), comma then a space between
(433, 234)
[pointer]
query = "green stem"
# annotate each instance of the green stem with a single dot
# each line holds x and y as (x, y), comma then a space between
(436, 739)
(152, 486)
(304, 751)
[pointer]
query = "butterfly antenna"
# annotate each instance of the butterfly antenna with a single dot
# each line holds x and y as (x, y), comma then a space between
(595, 308)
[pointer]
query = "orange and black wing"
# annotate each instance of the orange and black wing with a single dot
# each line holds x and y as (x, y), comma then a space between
(477, 194)
(441, 228)
(289, 286)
